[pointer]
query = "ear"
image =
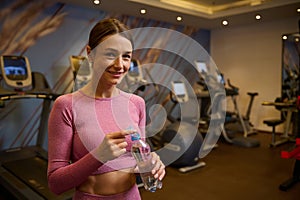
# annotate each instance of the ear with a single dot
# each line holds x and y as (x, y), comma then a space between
(88, 51)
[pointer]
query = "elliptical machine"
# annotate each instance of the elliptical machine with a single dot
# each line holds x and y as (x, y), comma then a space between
(176, 140)
(181, 140)
(214, 101)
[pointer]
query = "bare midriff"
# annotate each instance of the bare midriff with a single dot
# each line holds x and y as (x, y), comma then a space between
(109, 183)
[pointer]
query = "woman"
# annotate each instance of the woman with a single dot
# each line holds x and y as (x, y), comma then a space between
(89, 136)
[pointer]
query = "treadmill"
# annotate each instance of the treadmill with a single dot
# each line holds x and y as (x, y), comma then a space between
(23, 170)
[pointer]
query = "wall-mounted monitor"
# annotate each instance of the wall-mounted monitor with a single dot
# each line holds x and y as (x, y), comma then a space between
(16, 71)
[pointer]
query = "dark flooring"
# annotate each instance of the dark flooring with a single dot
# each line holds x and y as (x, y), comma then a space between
(232, 173)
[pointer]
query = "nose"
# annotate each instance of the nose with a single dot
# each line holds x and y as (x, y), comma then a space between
(118, 62)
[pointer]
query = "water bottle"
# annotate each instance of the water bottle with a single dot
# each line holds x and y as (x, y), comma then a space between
(142, 153)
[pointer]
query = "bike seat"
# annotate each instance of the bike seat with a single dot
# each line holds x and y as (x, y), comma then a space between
(253, 94)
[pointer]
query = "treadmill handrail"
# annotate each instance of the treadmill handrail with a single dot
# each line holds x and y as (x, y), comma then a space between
(49, 96)
(40, 89)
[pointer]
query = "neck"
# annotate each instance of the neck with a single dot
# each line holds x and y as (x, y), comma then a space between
(101, 91)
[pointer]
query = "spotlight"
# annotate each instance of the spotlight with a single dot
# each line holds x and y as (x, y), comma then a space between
(143, 11)
(97, 2)
(179, 18)
(225, 22)
(258, 17)
(284, 37)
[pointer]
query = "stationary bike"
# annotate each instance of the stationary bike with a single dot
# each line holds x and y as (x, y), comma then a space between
(235, 121)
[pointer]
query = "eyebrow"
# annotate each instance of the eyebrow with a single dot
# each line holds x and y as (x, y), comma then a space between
(111, 49)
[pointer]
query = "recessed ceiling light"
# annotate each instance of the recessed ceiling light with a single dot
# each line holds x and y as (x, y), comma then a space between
(284, 37)
(97, 2)
(179, 18)
(143, 11)
(258, 17)
(298, 9)
(225, 22)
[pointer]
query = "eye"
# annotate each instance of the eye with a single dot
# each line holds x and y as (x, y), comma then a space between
(111, 55)
(126, 56)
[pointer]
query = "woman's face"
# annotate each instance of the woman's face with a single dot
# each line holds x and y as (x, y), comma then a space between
(111, 59)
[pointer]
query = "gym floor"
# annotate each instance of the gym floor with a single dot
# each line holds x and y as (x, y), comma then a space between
(233, 173)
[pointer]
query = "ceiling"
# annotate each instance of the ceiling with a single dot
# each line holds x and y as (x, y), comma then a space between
(206, 14)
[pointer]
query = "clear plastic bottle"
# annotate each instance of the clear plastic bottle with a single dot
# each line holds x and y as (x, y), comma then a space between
(142, 153)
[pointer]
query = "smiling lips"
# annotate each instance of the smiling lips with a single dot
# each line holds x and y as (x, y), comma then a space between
(116, 74)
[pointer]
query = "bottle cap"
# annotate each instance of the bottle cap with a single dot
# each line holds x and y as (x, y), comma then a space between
(135, 136)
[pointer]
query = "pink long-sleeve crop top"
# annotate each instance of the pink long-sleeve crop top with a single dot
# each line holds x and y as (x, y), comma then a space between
(77, 125)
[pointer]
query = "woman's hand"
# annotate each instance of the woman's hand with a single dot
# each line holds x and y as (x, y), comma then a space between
(159, 168)
(113, 145)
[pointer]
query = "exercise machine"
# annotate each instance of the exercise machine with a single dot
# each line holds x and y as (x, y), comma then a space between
(243, 140)
(135, 78)
(211, 97)
(293, 154)
(23, 170)
(181, 136)
(172, 138)
(296, 172)
(236, 122)
(82, 71)
(215, 81)
(290, 92)
(287, 109)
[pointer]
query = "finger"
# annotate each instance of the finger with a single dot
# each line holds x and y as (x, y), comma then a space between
(117, 141)
(156, 162)
(122, 145)
(155, 159)
(120, 152)
(162, 175)
(117, 151)
(156, 168)
(136, 170)
(120, 134)
(116, 147)
(128, 132)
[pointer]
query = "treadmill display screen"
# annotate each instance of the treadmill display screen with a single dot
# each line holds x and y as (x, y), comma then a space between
(179, 89)
(15, 67)
(201, 67)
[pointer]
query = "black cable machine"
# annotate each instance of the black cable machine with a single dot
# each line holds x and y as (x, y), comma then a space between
(23, 170)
